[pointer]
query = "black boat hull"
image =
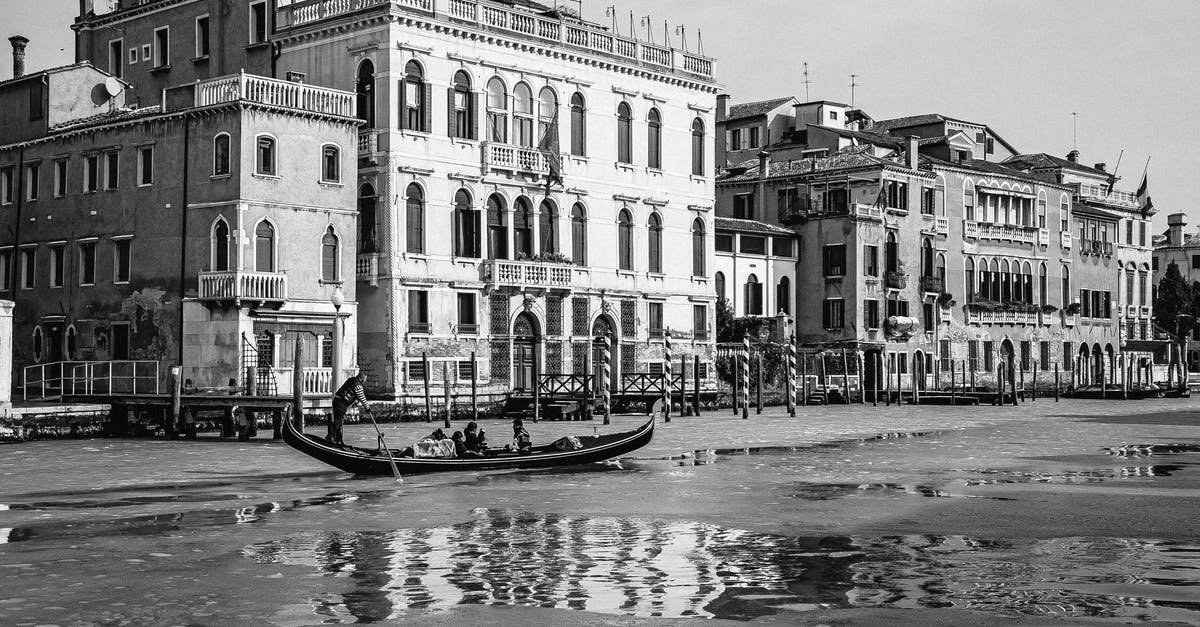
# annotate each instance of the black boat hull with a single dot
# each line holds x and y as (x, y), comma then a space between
(360, 461)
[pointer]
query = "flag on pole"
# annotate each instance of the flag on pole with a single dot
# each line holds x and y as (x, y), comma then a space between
(881, 199)
(549, 147)
(1143, 196)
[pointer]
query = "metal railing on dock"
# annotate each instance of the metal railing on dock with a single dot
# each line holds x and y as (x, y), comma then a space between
(54, 380)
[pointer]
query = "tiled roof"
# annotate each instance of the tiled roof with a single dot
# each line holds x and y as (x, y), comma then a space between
(850, 158)
(751, 109)
(1043, 160)
(120, 115)
(989, 167)
(749, 226)
(885, 126)
(867, 136)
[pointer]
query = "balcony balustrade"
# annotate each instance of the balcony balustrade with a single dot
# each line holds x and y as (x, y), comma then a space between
(238, 285)
(368, 141)
(941, 225)
(366, 268)
(933, 284)
(1008, 232)
(970, 229)
(274, 92)
(1101, 193)
(500, 272)
(1064, 240)
(514, 158)
(894, 280)
(1002, 317)
(1043, 237)
(504, 17)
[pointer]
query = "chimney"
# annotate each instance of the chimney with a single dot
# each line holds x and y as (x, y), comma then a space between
(18, 46)
(722, 107)
(911, 152)
(1073, 156)
(764, 164)
(1175, 224)
(1101, 166)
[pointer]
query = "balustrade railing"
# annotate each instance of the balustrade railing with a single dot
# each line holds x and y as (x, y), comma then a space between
(1020, 234)
(515, 158)
(274, 92)
(537, 273)
(941, 225)
(1064, 239)
(368, 141)
(243, 285)
(971, 229)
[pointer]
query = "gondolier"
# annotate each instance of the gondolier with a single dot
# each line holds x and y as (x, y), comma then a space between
(350, 394)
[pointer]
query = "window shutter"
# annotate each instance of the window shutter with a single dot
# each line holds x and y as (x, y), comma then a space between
(403, 86)
(451, 129)
(427, 108)
(473, 115)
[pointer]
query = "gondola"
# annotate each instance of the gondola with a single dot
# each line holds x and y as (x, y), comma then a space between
(364, 461)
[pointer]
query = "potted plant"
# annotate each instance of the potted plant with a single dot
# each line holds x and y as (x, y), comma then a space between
(945, 299)
(1073, 309)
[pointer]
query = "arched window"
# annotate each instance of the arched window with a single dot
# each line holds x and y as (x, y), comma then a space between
(1042, 285)
(939, 269)
(366, 220)
(624, 241)
(926, 257)
(264, 162)
(329, 255)
(1064, 213)
(72, 342)
(364, 89)
(523, 228)
(578, 125)
(783, 295)
(497, 111)
(753, 301)
(1005, 282)
(1041, 209)
(698, 248)
(1027, 283)
(655, 243)
(264, 247)
(547, 227)
(654, 139)
(331, 169)
(497, 228)
(624, 133)
(221, 154)
(969, 279)
(414, 112)
(698, 147)
(578, 235)
(719, 282)
(985, 280)
(523, 115)
(220, 246)
(462, 107)
(37, 343)
(466, 226)
(968, 200)
(547, 111)
(891, 253)
(415, 219)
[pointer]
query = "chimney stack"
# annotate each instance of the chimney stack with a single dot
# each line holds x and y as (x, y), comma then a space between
(722, 107)
(764, 164)
(912, 153)
(1073, 156)
(1175, 224)
(1101, 166)
(18, 51)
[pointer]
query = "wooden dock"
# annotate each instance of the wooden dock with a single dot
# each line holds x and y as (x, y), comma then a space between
(238, 412)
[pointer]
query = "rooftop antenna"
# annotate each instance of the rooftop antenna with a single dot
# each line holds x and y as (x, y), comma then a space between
(632, 32)
(807, 82)
(853, 84)
(667, 35)
(699, 43)
(682, 36)
(1074, 143)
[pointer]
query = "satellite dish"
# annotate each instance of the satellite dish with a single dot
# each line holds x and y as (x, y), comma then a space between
(113, 86)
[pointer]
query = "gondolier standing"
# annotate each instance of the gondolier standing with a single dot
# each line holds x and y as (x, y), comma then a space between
(350, 394)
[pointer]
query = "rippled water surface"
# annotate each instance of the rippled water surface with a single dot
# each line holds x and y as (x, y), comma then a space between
(1083, 509)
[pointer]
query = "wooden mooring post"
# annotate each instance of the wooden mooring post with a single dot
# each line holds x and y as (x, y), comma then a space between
(845, 378)
(824, 380)
(1056, 382)
(298, 386)
(474, 390)
(696, 385)
(758, 388)
(683, 374)
(427, 376)
(804, 379)
(790, 377)
(174, 415)
(953, 387)
(446, 392)
(537, 392)
(1035, 369)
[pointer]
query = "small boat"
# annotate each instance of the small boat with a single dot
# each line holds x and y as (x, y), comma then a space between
(364, 461)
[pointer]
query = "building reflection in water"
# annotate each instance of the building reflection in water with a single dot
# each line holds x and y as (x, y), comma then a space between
(610, 565)
(688, 569)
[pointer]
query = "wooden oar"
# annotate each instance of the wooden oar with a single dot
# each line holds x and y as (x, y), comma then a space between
(385, 449)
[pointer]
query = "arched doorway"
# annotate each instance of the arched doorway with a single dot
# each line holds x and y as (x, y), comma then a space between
(601, 328)
(1111, 355)
(1006, 363)
(1097, 363)
(364, 89)
(919, 370)
(1084, 365)
(872, 375)
(525, 340)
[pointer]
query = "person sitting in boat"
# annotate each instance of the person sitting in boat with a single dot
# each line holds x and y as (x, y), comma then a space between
(435, 444)
(437, 434)
(460, 446)
(521, 440)
(474, 438)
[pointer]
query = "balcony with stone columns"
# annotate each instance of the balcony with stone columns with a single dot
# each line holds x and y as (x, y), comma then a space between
(239, 286)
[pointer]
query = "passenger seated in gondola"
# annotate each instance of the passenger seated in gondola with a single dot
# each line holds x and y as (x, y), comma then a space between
(460, 446)
(435, 444)
(521, 440)
(471, 436)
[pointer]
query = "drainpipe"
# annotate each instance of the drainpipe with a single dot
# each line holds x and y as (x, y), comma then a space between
(184, 238)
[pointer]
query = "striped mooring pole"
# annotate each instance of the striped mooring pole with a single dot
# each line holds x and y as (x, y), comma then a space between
(792, 376)
(606, 385)
(745, 359)
(668, 359)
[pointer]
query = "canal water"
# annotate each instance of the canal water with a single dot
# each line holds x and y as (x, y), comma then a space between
(1074, 510)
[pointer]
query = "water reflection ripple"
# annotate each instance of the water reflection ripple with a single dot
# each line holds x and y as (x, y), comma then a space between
(647, 567)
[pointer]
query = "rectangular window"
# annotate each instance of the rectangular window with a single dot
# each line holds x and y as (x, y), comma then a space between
(57, 258)
(782, 246)
(418, 311)
(1129, 231)
(735, 139)
(1026, 355)
(37, 104)
(5, 268)
(896, 194)
(258, 23)
(116, 65)
(112, 169)
(787, 203)
(871, 313)
(162, 47)
(6, 185)
(146, 53)
(743, 206)
(87, 263)
(753, 245)
(466, 370)
(60, 178)
(1142, 233)
(927, 200)
(871, 260)
(416, 370)
(133, 55)
(1068, 356)
(724, 243)
(834, 260)
(91, 172)
(656, 320)
(202, 36)
(1195, 262)
(973, 355)
(700, 322)
(331, 171)
(753, 137)
(122, 249)
(145, 166)
(33, 180)
(944, 352)
(928, 315)
(833, 314)
(28, 267)
(1044, 355)
(1085, 303)
(265, 156)
(988, 364)
(468, 323)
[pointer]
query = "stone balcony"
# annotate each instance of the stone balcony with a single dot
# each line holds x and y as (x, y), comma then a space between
(894, 280)
(241, 285)
(933, 284)
(514, 159)
(273, 92)
(505, 273)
